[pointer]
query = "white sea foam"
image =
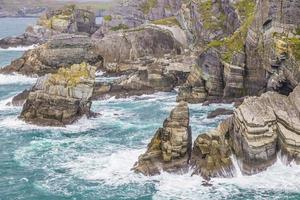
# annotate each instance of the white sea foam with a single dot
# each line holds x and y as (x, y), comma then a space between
(14, 123)
(19, 48)
(16, 79)
(112, 169)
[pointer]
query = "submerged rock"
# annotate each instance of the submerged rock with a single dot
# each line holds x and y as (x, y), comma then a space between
(170, 148)
(61, 98)
(211, 153)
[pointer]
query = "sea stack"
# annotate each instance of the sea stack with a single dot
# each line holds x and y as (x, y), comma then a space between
(170, 148)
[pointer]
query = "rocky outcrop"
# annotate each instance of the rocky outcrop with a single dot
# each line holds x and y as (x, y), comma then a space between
(62, 51)
(170, 148)
(211, 153)
(61, 98)
(162, 75)
(66, 20)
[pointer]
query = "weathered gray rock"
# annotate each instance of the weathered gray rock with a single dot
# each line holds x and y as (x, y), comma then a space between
(170, 148)
(61, 98)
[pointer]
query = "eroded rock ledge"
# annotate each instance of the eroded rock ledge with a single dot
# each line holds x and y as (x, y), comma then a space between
(61, 98)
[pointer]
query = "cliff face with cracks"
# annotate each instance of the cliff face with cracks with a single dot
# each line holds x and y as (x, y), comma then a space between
(261, 55)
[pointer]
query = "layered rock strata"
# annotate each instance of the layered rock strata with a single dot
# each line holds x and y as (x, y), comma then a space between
(61, 98)
(170, 148)
(265, 125)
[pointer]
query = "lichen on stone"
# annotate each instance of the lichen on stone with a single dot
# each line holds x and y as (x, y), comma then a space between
(71, 76)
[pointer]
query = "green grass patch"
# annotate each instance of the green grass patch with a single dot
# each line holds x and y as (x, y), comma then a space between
(170, 21)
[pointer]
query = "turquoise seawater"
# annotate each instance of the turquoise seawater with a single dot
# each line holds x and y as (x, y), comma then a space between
(92, 159)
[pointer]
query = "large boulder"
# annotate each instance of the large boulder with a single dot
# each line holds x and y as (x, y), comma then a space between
(61, 51)
(61, 98)
(170, 148)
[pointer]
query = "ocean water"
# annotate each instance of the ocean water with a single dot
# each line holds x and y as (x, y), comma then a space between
(92, 158)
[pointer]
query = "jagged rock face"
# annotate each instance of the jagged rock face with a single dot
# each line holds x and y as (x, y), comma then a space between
(170, 148)
(69, 20)
(211, 153)
(265, 125)
(208, 20)
(132, 13)
(61, 51)
(272, 59)
(129, 45)
(55, 22)
(61, 98)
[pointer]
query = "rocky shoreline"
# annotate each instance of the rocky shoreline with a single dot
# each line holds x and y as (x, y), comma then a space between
(246, 52)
